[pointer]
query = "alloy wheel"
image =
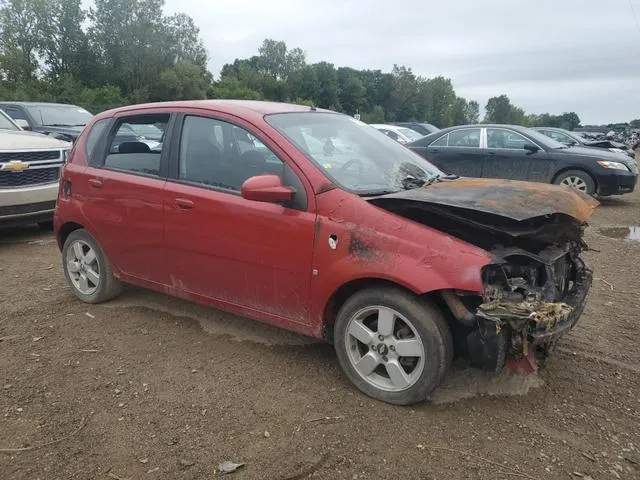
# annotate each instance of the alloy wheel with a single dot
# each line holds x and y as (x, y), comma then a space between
(576, 182)
(384, 348)
(83, 267)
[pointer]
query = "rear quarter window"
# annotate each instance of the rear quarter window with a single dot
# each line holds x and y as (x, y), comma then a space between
(92, 142)
(131, 153)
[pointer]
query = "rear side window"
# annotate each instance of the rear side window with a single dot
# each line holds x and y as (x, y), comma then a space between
(93, 140)
(469, 138)
(131, 152)
(441, 142)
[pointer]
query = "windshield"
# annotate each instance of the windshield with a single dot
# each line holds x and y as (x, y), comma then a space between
(355, 156)
(60, 115)
(6, 123)
(410, 134)
(542, 139)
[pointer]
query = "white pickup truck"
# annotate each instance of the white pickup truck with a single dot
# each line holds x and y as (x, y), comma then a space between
(30, 166)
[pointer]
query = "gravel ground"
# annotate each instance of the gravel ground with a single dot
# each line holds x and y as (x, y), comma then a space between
(151, 387)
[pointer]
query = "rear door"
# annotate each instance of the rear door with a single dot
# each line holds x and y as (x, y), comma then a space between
(124, 186)
(243, 253)
(458, 152)
(507, 158)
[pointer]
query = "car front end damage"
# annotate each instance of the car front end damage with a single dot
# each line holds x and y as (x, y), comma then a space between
(529, 302)
(535, 287)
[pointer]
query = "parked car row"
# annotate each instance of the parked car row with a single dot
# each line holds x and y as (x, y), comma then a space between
(576, 139)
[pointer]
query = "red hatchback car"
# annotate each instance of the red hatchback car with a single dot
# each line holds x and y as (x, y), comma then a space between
(315, 222)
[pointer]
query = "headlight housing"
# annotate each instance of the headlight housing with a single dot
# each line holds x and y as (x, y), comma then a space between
(65, 155)
(612, 165)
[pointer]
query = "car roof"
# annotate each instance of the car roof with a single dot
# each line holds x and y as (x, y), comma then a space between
(39, 104)
(228, 106)
(553, 129)
(394, 128)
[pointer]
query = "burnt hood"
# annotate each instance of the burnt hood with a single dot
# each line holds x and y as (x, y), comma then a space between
(488, 211)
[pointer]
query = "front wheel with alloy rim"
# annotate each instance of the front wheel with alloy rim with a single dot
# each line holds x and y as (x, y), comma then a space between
(578, 180)
(87, 269)
(392, 345)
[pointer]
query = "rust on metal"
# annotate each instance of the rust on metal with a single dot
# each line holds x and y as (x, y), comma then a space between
(507, 198)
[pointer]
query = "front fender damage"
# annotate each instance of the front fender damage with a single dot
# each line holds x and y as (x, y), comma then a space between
(535, 288)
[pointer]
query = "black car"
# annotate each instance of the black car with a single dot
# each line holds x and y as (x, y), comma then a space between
(421, 128)
(59, 120)
(519, 153)
(574, 139)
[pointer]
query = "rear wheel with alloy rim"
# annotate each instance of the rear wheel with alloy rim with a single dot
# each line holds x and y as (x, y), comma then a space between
(393, 346)
(87, 269)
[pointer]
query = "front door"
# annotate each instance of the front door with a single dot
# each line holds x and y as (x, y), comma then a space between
(507, 158)
(124, 200)
(458, 152)
(223, 247)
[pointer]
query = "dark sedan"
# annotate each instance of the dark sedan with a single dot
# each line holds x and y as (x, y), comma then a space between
(518, 153)
(575, 139)
(59, 120)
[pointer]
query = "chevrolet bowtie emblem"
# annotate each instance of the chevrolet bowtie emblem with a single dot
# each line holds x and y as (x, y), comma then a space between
(15, 166)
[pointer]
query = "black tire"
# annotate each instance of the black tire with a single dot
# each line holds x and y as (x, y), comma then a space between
(46, 225)
(108, 286)
(590, 184)
(428, 322)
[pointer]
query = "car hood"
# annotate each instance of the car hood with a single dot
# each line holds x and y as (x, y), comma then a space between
(506, 198)
(12, 140)
(71, 132)
(599, 154)
(489, 211)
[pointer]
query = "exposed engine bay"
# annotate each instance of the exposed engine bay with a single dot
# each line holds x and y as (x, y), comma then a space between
(535, 289)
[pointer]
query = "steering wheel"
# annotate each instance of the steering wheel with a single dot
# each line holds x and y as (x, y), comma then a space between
(353, 161)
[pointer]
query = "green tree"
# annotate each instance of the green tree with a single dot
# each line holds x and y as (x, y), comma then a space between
(273, 58)
(376, 115)
(184, 81)
(303, 83)
(66, 50)
(23, 35)
(501, 110)
(232, 88)
(183, 41)
(352, 91)
(472, 113)
(328, 90)
(404, 95)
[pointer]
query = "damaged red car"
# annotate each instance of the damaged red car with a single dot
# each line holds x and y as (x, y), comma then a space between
(317, 223)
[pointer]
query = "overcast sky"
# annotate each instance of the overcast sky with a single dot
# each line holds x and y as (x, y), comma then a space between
(546, 55)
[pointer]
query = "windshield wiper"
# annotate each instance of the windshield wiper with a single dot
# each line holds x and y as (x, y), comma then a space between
(64, 125)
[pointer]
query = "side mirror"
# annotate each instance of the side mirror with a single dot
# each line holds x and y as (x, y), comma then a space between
(266, 188)
(23, 124)
(530, 147)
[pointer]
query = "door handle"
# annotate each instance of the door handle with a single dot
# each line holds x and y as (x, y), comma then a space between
(434, 150)
(95, 183)
(184, 203)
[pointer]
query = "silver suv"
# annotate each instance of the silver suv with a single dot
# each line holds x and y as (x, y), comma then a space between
(29, 173)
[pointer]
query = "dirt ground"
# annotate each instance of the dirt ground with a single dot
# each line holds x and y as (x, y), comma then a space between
(150, 387)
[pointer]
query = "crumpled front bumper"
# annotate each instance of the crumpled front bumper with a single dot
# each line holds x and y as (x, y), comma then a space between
(577, 300)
